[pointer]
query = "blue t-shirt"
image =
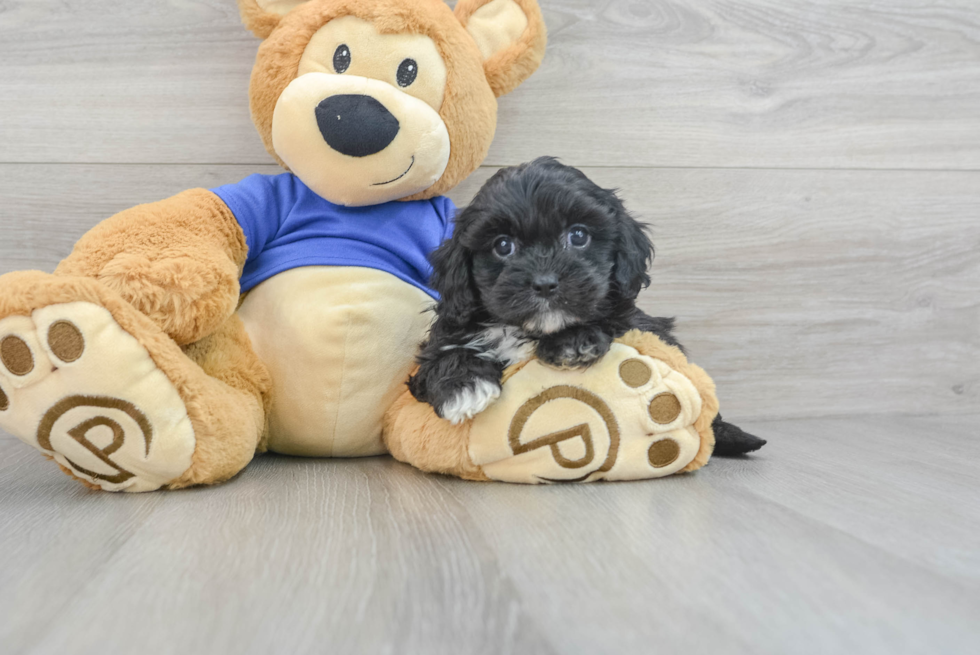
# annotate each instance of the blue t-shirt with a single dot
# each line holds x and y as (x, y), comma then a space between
(287, 225)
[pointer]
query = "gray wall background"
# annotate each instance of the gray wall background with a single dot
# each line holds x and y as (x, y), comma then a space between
(811, 170)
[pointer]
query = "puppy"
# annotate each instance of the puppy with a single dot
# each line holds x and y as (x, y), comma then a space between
(542, 262)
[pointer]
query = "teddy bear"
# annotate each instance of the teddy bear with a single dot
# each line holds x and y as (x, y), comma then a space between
(281, 313)
(284, 313)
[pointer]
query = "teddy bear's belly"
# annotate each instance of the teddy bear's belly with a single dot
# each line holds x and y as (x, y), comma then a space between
(339, 343)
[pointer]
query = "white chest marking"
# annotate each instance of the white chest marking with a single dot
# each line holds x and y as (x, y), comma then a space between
(503, 343)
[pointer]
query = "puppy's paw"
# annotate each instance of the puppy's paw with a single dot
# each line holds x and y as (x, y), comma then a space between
(469, 401)
(574, 348)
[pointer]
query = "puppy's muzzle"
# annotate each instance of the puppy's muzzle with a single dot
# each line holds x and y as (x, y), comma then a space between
(544, 286)
(356, 125)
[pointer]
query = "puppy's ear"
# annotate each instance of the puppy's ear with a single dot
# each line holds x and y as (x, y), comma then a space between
(452, 277)
(634, 253)
(262, 16)
(511, 35)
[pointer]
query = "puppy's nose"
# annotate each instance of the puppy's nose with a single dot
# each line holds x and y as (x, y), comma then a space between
(545, 285)
(356, 125)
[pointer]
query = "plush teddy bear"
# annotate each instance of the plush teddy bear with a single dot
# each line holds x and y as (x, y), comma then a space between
(283, 312)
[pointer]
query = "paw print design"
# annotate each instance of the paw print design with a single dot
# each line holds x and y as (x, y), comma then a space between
(77, 387)
(629, 416)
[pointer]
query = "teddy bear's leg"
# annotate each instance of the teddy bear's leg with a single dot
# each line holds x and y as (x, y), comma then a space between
(236, 407)
(96, 385)
(178, 261)
(414, 434)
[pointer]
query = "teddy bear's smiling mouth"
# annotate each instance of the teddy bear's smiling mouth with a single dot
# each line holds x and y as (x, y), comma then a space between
(399, 177)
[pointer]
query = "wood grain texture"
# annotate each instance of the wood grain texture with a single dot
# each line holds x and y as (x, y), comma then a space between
(734, 83)
(816, 293)
(804, 290)
(303, 556)
(854, 535)
(803, 293)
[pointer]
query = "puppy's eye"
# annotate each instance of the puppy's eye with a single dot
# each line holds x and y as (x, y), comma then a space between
(341, 59)
(408, 70)
(503, 247)
(579, 237)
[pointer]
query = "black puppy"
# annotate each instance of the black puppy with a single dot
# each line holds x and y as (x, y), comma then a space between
(543, 262)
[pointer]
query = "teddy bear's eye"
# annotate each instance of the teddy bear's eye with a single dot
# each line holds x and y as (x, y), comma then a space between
(341, 58)
(408, 70)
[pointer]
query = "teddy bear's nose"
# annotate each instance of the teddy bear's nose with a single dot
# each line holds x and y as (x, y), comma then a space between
(356, 125)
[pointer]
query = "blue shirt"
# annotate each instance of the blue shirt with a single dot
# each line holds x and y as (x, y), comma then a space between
(287, 225)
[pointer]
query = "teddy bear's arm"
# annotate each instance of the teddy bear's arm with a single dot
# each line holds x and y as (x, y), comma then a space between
(178, 261)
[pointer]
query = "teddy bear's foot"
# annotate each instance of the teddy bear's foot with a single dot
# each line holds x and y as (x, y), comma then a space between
(632, 415)
(81, 389)
(76, 386)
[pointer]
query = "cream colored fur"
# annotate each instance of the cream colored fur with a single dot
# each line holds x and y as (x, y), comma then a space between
(412, 163)
(339, 343)
(497, 26)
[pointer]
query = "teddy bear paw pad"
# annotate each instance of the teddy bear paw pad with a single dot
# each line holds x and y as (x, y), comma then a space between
(629, 416)
(76, 386)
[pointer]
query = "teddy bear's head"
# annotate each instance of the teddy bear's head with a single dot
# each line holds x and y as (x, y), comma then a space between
(368, 101)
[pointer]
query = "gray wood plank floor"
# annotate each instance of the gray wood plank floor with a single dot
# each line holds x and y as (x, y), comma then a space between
(811, 173)
(843, 535)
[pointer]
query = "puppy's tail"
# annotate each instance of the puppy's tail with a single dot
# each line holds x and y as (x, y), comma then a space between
(731, 440)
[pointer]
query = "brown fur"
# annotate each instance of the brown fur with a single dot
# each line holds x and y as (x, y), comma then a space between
(178, 261)
(415, 435)
(257, 20)
(227, 418)
(239, 394)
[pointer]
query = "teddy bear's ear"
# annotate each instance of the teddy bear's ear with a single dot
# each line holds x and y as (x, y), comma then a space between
(511, 36)
(262, 16)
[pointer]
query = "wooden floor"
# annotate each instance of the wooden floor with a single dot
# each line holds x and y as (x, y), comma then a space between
(847, 535)
(811, 172)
